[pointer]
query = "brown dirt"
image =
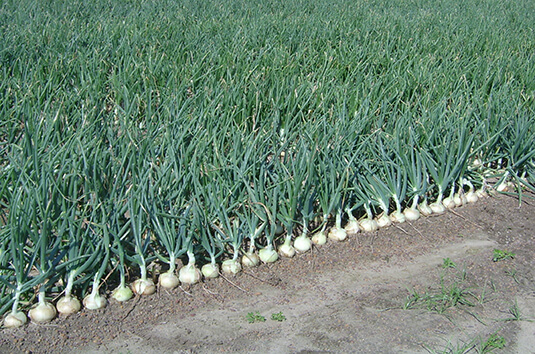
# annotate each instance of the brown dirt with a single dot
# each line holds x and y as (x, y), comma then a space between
(341, 297)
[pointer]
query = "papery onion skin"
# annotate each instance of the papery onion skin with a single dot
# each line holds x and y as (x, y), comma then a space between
(286, 250)
(143, 287)
(250, 259)
(122, 293)
(68, 305)
(231, 266)
(337, 234)
(168, 280)
(268, 255)
(43, 312)
(302, 244)
(15, 320)
(210, 270)
(319, 238)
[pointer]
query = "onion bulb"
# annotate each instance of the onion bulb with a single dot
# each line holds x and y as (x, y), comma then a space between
(68, 305)
(250, 259)
(337, 234)
(369, 225)
(231, 266)
(210, 270)
(411, 214)
(398, 217)
(43, 312)
(319, 238)
(168, 280)
(352, 227)
(287, 250)
(437, 207)
(189, 274)
(94, 301)
(268, 255)
(143, 287)
(122, 293)
(302, 243)
(384, 221)
(15, 319)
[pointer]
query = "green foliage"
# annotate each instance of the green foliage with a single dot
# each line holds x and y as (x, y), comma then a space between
(253, 317)
(500, 255)
(278, 317)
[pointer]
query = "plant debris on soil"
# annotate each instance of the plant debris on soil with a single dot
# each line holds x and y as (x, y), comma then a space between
(352, 296)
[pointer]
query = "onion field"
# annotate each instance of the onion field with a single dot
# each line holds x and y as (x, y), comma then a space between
(182, 140)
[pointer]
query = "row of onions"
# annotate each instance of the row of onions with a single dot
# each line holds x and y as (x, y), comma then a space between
(78, 222)
(134, 158)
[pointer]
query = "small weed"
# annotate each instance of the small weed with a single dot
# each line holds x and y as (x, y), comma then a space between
(500, 255)
(255, 317)
(481, 347)
(493, 342)
(448, 263)
(516, 314)
(512, 273)
(278, 317)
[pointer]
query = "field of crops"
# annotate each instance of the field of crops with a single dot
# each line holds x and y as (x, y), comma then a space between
(217, 134)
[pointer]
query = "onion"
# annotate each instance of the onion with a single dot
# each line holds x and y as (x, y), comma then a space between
(122, 293)
(94, 301)
(411, 214)
(437, 208)
(398, 217)
(369, 225)
(68, 305)
(210, 270)
(319, 238)
(250, 259)
(352, 227)
(302, 243)
(15, 319)
(43, 312)
(337, 234)
(268, 255)
(286, 250)
(384, 221)
(189, 274)
(168, 280)
(143, 287)
(231, 266)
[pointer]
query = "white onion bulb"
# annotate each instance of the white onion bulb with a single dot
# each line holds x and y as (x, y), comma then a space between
(268, 255)
(143, 287)
(319, 238)
(68, 305)
(122, 293)
(352, 227)
(369, 225)
(94, 302)
(286, 250)
(210, 270)
(231, 266)
(168, 280)
(189, 274)
(43, 312)
(337, 234)
(250, 259)
(15, 319)
(302, 243)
